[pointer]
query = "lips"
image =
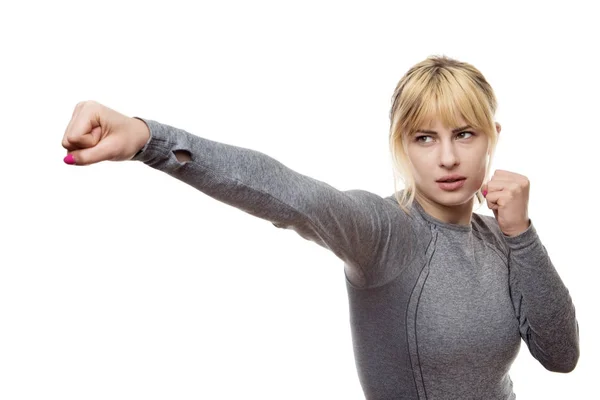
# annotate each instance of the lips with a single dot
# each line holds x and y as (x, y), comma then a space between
(450, 186)
(451, 178)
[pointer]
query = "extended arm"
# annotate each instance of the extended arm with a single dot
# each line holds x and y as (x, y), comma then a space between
(353, 224)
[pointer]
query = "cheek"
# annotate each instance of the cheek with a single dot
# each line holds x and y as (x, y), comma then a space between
(420, 167)
(481, 166)
(477, 162)
(479, 170)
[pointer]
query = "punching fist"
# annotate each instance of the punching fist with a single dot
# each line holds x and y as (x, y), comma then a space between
(507, 194)
(97, 133)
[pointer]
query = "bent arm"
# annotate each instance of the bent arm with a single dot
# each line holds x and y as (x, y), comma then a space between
(543, 304)
(354, 224)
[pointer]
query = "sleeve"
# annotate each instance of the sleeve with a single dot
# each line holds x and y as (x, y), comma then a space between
(354, 224)
(543, 305)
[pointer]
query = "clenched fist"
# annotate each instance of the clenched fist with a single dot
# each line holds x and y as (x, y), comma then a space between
(97, 133)
(507, 194)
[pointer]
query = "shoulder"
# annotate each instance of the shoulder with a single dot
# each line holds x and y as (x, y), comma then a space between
(387, 203)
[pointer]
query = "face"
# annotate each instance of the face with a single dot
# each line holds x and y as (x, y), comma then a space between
(437, 151)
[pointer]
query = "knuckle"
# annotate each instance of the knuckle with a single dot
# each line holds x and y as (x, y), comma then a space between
(83, 104)
(71, 137)
(78, 108)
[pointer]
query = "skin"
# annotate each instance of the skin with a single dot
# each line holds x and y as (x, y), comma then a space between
(508, 197)
(438, 152)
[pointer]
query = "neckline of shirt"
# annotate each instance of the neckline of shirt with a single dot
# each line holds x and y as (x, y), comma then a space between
(440, 223)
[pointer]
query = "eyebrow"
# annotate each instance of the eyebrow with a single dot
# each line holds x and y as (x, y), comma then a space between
(435, 133)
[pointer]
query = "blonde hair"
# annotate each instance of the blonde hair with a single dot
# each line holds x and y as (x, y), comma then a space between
(443, 87)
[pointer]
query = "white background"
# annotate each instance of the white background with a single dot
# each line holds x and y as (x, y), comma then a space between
(118, 281)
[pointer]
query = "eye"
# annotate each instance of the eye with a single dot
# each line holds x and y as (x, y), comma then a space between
(466, 132)
(418, 138)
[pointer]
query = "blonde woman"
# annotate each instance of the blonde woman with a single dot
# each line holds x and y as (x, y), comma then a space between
(440, 296)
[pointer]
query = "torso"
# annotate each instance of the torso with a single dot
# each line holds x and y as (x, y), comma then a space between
(444, 327)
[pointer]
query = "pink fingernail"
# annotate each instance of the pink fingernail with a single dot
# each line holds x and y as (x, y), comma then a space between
(484, 193)
(69, 159)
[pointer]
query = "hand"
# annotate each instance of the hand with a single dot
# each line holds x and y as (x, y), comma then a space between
(507, 194)
(97, 133)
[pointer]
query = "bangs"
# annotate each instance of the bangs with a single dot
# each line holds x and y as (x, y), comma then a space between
(447, 95)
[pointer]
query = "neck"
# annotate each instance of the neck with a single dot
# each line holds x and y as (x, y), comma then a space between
(459, 214)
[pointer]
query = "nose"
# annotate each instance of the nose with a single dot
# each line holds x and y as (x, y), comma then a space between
(448, 156)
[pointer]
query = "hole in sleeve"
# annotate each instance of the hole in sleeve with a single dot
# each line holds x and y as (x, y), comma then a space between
(182, 155)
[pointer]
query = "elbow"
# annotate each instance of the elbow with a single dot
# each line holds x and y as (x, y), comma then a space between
(561, 355)
(564, 368)
(569, 354)
(566, 363)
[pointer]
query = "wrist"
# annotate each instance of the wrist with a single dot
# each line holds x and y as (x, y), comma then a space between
(519, 230)
(142, 134)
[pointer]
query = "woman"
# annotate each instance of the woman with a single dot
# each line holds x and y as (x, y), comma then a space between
(439, 295)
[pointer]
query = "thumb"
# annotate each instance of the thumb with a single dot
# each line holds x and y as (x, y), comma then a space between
(484, 189)
(103, 151)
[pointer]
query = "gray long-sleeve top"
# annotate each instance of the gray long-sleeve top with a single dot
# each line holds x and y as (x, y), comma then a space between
(437, 310)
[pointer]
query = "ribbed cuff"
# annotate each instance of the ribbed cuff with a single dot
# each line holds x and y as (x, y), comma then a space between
(157, 145)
